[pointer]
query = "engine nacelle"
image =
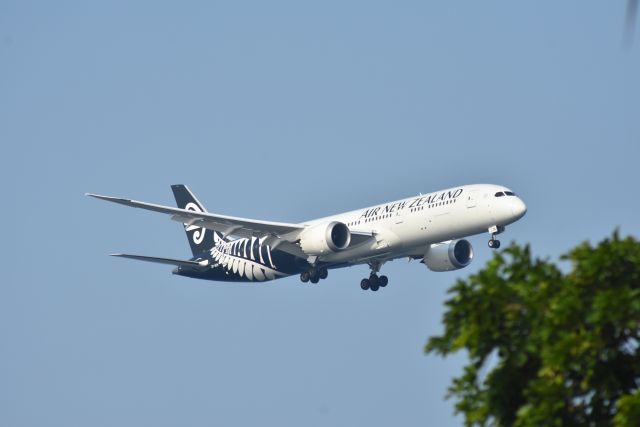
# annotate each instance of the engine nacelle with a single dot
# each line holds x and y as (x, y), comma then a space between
(322, 238)
(449, 256)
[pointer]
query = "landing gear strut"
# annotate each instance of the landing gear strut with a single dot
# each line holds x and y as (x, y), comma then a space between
(495, 230)
(314, 275)
(374, 282)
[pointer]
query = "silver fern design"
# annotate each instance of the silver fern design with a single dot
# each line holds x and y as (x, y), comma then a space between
(249, 258)
(198, 234)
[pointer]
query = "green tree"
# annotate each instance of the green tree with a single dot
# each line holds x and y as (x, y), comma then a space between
(546, 346)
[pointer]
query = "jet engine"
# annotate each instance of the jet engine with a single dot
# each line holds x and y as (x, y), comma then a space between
(323, 238)
(449, 256)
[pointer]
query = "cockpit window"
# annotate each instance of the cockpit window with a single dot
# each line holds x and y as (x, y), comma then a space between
(509, 193)
(499, 194)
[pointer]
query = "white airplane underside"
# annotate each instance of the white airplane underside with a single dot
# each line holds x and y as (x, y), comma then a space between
(428, 227)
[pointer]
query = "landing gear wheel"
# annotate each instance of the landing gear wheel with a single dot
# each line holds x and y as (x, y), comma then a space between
(383, 281)
(304, 277)
(494, 243)
(314, 276)
(323, 273)
(374, 281)
(364, 284)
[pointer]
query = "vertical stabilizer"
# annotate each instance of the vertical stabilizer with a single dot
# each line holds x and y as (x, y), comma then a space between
(200, 239)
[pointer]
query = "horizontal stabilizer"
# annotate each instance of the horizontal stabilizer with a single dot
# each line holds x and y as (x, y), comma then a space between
(200, 265)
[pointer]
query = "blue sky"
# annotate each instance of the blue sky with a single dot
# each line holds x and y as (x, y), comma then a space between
(281, 111)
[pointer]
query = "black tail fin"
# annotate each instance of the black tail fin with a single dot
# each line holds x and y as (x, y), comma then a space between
(200, 239)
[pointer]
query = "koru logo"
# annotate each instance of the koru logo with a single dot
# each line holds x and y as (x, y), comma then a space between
(198, 234)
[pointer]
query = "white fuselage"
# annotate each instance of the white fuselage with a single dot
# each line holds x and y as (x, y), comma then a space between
(429, 226)
(409, 226)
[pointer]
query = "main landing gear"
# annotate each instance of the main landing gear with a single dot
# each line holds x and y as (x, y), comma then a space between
(374, 282)
(495, 230)
(314, 275)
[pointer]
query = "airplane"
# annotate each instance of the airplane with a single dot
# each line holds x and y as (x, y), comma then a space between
(429, 227)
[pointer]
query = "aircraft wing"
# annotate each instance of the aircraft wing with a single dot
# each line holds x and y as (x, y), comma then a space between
(177, 262)
(282, 235)
(226, 225)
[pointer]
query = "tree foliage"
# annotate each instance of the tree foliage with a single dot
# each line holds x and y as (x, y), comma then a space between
(546, 346)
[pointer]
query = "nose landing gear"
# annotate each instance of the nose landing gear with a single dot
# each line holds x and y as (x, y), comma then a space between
(495, 230)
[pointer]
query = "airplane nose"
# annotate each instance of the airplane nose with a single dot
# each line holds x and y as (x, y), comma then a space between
(518, 208)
